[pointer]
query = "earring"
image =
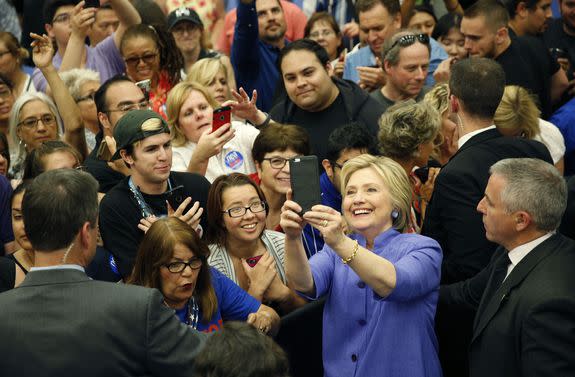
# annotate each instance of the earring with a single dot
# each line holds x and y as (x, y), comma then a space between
(394, 214)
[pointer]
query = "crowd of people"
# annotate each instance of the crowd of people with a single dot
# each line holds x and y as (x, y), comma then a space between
(148, 221)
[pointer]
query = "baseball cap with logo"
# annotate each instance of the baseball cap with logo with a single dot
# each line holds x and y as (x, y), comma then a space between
(128, 130)
(184, 14)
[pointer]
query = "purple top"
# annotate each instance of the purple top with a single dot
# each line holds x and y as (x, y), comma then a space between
(367, 335)
(105, 58)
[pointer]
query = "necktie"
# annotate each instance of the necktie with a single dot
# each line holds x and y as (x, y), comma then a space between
(499, 273)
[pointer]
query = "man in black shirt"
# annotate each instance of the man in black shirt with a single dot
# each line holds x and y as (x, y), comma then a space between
(528, 17)
(144, 144)
(525, 61)
(317, 102)
(561, 35)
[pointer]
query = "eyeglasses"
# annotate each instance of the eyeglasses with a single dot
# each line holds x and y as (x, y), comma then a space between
(408, 40)
(255, 207)
(131, 106)
(63, 18)
(147, 58)
(184, 27)
(277, 162)
(4, 53)
(324, 33)
(30, 123)
(178, 267)
(5, 93)
(89, 96)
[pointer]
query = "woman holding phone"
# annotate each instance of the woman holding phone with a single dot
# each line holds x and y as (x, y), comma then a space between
(172, 258)
(240, 246)
(205, 140)
(385, 281)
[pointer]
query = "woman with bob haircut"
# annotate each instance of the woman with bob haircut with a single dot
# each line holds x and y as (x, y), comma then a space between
(381, 278)
(438, 97)
(172, 258)
(241, 247)
(197, 148)
(216, 76)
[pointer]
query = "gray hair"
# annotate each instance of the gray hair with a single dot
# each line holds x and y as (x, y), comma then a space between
(533, 186)
(405, 126)
(56, 206)
(15, 118)
(391, 54)
(75, 78)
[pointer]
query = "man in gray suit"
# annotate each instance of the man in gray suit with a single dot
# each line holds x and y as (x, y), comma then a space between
(61, 323)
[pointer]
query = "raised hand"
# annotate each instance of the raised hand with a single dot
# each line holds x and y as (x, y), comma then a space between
(329, 222)
(290, 220)
(211, 143)
(82, 19)
(261, 275)
(42, 50)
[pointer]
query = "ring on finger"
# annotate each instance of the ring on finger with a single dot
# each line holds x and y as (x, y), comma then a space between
(324, 224)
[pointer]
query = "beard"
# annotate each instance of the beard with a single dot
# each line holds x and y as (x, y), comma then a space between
(272, 37)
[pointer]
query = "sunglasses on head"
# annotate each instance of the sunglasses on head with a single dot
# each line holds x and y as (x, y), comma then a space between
(408, 40)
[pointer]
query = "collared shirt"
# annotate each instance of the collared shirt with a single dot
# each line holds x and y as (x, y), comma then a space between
(463, 139)
(364, 57)
(59, 267)
(521, 251)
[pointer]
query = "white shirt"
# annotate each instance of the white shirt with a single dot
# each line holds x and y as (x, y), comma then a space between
(235, 157)
(463, 139)
(552, 138)
(521, 251)
(59, 267)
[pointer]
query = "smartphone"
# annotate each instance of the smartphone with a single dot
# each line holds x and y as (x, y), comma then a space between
(557, 53)
(175, 197)
(422, 174)
(304, 176)
(91, 3)
(145, 86)
(103, 151)
(221, 116)
(253, 260)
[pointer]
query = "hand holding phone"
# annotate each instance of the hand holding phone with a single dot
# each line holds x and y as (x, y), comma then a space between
(304, 177)
(221, 116)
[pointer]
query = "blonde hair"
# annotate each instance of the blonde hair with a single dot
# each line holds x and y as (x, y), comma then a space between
(518, 112)
(204, 71)
(394, 178)
(405, 126)
(176, 98)
(438, 97)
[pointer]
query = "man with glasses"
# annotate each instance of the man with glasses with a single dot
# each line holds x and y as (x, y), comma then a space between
(113, 99)
(379, 20)
(145, 146)
(70, 35)
(188, 31)
(405, 59)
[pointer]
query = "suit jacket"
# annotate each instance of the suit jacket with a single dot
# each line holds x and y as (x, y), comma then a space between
(61, 323)
(527, 326)
(452, 218)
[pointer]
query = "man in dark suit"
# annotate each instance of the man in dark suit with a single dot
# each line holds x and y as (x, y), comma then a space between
(525, 322)
(61, 323)
(476, 87)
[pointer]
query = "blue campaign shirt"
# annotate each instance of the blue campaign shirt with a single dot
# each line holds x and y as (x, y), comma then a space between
(234, 304)
(254, 61)
(367, 335)
(365, 58)
(564, 119)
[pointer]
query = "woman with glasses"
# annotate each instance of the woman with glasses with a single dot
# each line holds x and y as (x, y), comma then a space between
(408, 134)
(172, 258)
(35, 118)
(272, 149)
(322, 28)
(83, 84)
(240, 246)
(381, 285)
(150, 53)
(197, 147)
(12, 56)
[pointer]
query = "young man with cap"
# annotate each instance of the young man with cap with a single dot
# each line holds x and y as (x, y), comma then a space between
(188, 31)
(144, 144)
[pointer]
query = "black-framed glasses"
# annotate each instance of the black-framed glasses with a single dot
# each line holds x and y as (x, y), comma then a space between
(178, 267)
(47, 120)
(147, 58)
(277, 162)
(255, 207)
(408, 40)
(62, 18)
(87, 97)
(131, 106)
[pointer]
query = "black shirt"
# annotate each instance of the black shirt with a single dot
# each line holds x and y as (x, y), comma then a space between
(527, 63)
(555, 37)
(120, 215)
(99, 169)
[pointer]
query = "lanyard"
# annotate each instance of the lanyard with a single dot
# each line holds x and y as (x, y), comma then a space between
(144, 207)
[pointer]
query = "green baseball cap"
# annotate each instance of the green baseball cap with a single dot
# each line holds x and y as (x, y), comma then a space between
(128, 130)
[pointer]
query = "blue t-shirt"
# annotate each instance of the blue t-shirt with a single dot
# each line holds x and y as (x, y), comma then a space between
(234, 304)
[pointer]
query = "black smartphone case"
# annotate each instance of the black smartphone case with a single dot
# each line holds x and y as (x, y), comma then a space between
(304, 176)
